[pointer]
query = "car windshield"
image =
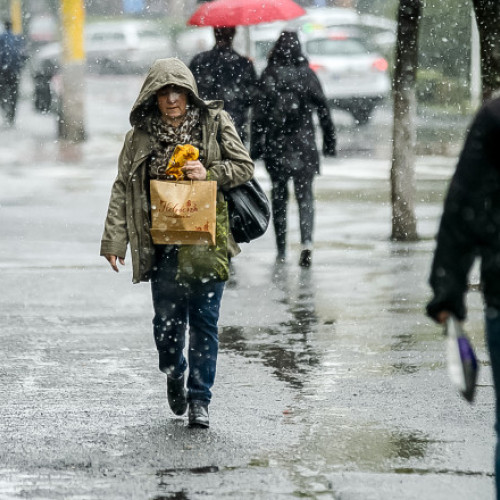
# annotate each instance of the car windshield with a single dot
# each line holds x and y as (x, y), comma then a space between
(148, 34)
(106, 37)
(335, 47)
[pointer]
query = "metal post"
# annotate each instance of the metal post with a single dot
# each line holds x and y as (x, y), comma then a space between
(71, 115)
(16, 17)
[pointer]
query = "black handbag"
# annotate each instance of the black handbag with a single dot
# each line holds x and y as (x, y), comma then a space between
(249, 211)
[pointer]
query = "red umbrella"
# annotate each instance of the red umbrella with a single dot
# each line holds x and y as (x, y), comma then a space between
(244, 12)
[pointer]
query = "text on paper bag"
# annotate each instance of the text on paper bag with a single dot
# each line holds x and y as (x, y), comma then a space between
(178, 210)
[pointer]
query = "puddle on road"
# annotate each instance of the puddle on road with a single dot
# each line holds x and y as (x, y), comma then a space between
(209, 469)
(311, 340)
(289, 355)
(423, 472)
(165, 474)
(287, 347)
(180, 495)
(349, 335)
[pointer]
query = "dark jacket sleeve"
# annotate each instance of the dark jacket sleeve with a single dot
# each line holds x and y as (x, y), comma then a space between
(453, 257)
(259, 122)
(250, 83)
(318, 98)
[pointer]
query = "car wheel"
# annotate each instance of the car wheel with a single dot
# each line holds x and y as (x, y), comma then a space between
(363, 113)
(106, 66)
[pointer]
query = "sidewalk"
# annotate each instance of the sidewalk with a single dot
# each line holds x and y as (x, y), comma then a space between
(332, 383)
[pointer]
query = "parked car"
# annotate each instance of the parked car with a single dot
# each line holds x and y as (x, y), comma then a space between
(194, 40)
(125, 47)
(42, 29)
(114, 47)
(110, 47)
(353, 77)
(379, 33)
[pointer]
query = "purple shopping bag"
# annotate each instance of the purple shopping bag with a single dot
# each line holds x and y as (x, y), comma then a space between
(461, 359)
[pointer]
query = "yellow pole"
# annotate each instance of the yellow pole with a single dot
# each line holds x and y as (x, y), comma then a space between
(16, 16)
(72, 110)
(73, 20)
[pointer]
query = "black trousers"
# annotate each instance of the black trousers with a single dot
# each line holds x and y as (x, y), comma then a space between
(9, 86)
(303, 188)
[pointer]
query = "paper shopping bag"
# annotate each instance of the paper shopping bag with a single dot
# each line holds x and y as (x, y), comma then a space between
(183, 212)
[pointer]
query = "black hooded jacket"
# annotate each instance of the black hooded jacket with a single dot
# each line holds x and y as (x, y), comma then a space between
(287, 145)
(223, 74)
(470, 225)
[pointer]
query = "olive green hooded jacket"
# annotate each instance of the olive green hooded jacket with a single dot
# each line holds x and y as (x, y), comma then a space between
(224, 155)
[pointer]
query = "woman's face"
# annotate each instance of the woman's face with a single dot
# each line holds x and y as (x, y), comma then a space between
(172, 102)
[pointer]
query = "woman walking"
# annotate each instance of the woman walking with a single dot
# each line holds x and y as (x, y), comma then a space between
(186, 294)
(283, 134)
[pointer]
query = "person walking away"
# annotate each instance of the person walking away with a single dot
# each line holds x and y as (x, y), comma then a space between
(283, 134)
(222, 73)
(187, 285)
(12, 59)
(470, 228)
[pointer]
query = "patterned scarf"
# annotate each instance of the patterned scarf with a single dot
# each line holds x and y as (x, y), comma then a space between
(164, 138)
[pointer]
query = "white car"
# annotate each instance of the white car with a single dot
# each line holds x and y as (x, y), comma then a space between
(112, 47)
(377, 32)
(194, 40)
(353, 77)
(127, 47)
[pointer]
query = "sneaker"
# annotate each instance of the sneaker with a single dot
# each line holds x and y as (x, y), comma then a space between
(305, 258)
(176, 395)
(198, 414)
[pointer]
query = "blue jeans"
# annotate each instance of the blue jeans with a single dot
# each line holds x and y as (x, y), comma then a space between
(492, 316)
(175, 305)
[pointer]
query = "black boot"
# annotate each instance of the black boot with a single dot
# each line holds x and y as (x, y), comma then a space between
(305, 258)
(198, 414)
(176, 394)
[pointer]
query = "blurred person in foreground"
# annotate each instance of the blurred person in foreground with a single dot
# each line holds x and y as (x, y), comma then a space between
(222, 73)
(283, 134)
(12, 59)
(470, 228)
(186, 293)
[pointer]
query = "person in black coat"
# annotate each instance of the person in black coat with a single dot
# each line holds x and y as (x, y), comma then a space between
(283, 134)
(12, 59)
(221, 73)
(470, 228)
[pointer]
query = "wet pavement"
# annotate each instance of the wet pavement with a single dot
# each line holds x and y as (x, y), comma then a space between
(331, 381)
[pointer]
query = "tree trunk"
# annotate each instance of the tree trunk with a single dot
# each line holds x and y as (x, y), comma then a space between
(404, 223)
(488, 24)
